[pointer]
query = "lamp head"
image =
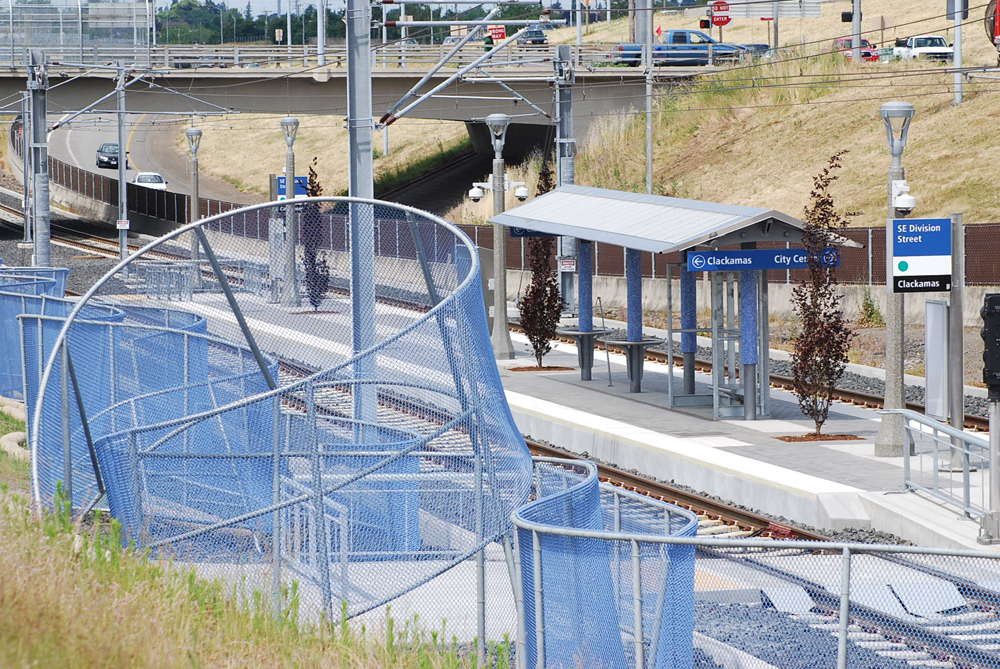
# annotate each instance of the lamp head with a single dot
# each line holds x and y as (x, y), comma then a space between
(194, 139)
(498, 123)
(897, 117)
(289, 126)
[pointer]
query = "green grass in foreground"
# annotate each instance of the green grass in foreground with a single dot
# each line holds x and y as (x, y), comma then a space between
(71, 596)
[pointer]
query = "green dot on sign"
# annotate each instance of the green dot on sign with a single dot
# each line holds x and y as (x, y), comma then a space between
(903, 266)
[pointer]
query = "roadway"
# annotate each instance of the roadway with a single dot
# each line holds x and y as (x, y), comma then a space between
(150, 149)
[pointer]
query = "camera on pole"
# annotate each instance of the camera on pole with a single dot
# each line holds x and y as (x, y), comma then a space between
(991, 344)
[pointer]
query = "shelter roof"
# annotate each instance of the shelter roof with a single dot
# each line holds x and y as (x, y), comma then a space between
(648, 222)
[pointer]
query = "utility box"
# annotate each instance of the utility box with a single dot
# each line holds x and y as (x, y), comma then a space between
(936, 359)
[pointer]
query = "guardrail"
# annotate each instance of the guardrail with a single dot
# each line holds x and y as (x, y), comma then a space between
(946, 463)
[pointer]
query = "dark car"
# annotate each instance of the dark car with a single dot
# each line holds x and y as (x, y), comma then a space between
(107, 155)
(533, 37)
(756, 50)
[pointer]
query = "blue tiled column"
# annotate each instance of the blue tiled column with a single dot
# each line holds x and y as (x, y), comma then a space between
(748, 341)
(633, 282)
(689, 319)
(585, 287)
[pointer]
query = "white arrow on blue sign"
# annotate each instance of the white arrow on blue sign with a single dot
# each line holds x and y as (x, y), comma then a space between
(921, 255)
(755, 259)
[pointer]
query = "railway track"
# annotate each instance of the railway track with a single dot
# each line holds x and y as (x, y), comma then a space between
(845, 395)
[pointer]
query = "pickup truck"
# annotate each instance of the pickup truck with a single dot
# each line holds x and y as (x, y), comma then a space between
(924, 47)
(680, 47)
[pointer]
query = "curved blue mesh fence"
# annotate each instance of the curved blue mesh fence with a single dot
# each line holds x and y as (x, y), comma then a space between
(600, 601)
(322, 422)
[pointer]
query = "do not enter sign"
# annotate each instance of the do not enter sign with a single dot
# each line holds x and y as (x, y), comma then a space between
(720, 13)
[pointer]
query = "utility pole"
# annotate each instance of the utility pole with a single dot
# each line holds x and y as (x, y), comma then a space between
(26, 169)
(321, 34)
(123, 224)
(961, 8)
(956, 340)
(565, 163)
(38, 82)
(856, 33)
(288, 31)
(775, 7)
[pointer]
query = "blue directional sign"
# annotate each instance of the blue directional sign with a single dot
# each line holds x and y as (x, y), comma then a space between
(525, 232)
(921, 255)
(754, 259)
(301, 184)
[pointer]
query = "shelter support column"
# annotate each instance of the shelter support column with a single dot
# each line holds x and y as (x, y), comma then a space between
(689, 312)
(633, 282)
(585, 296)
(748, 341)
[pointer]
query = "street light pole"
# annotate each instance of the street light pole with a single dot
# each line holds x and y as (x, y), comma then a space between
(194, 140)
(122, 167)
(290, 293)
(889, 440)
(503, 348)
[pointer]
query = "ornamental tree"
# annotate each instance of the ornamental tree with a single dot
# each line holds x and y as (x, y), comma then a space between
(822, 344)
(314, 258)
(541, 305)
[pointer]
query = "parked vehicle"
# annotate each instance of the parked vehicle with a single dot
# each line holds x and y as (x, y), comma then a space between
(756, 50)
(451, 41)
(869, 52)
(924, 47)
(533, 37)
(682, 47)
(107, 155)
(150, 180)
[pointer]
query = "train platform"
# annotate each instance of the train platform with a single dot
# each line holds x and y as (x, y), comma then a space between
(825, 484)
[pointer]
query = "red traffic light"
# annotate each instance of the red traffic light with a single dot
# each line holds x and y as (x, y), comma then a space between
(704, 24)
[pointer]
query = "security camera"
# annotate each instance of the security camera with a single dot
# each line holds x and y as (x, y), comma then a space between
(476, 194)
(521, 193)
(902, 201)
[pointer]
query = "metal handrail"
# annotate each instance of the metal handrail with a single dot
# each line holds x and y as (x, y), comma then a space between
(955, 441)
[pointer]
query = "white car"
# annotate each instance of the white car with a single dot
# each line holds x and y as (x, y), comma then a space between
(150, 180)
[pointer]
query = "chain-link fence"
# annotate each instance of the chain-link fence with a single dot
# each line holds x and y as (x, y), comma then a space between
(631, 587)
(313, 400)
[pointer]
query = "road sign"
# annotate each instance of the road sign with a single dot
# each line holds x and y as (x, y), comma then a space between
(754, 259)
(525, 232)
(498, 33)
(921, 255)
(720, 13)
(300, 187)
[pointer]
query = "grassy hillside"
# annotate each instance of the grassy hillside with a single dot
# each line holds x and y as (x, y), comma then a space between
(754, 135)
(252, 146)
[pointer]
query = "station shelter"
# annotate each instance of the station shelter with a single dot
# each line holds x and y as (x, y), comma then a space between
(735, 246)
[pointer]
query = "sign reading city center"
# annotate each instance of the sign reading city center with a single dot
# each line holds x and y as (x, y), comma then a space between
(754, 259)
(921, 255)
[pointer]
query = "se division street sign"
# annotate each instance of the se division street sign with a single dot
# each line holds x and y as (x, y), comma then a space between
(921, 255)
(301, 185)
(755, 259)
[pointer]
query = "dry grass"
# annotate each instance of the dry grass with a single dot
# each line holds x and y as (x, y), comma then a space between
(243, 149)
(70, 596)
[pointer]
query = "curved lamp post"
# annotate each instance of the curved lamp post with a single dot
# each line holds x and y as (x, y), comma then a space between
(503, 348)
(194, 141)
(290, 294)
(889, 440)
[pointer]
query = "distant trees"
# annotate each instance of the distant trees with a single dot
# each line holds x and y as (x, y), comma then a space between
(822, 344)
(541, 305)
(313, 256)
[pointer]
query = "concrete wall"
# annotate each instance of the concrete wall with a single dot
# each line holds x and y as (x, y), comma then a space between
(611, 290)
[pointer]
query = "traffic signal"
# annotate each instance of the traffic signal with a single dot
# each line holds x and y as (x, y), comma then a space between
(846, 17)
(705, 24)
(991, 344)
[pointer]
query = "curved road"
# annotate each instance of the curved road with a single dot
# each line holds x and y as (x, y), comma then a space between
(151, 146)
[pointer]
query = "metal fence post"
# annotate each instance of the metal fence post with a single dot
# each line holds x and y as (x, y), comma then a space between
(536, 544)
(845, 608)
(637, 604)
(66, 430)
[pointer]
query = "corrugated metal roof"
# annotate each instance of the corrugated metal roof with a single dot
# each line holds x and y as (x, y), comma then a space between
(634, 220)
